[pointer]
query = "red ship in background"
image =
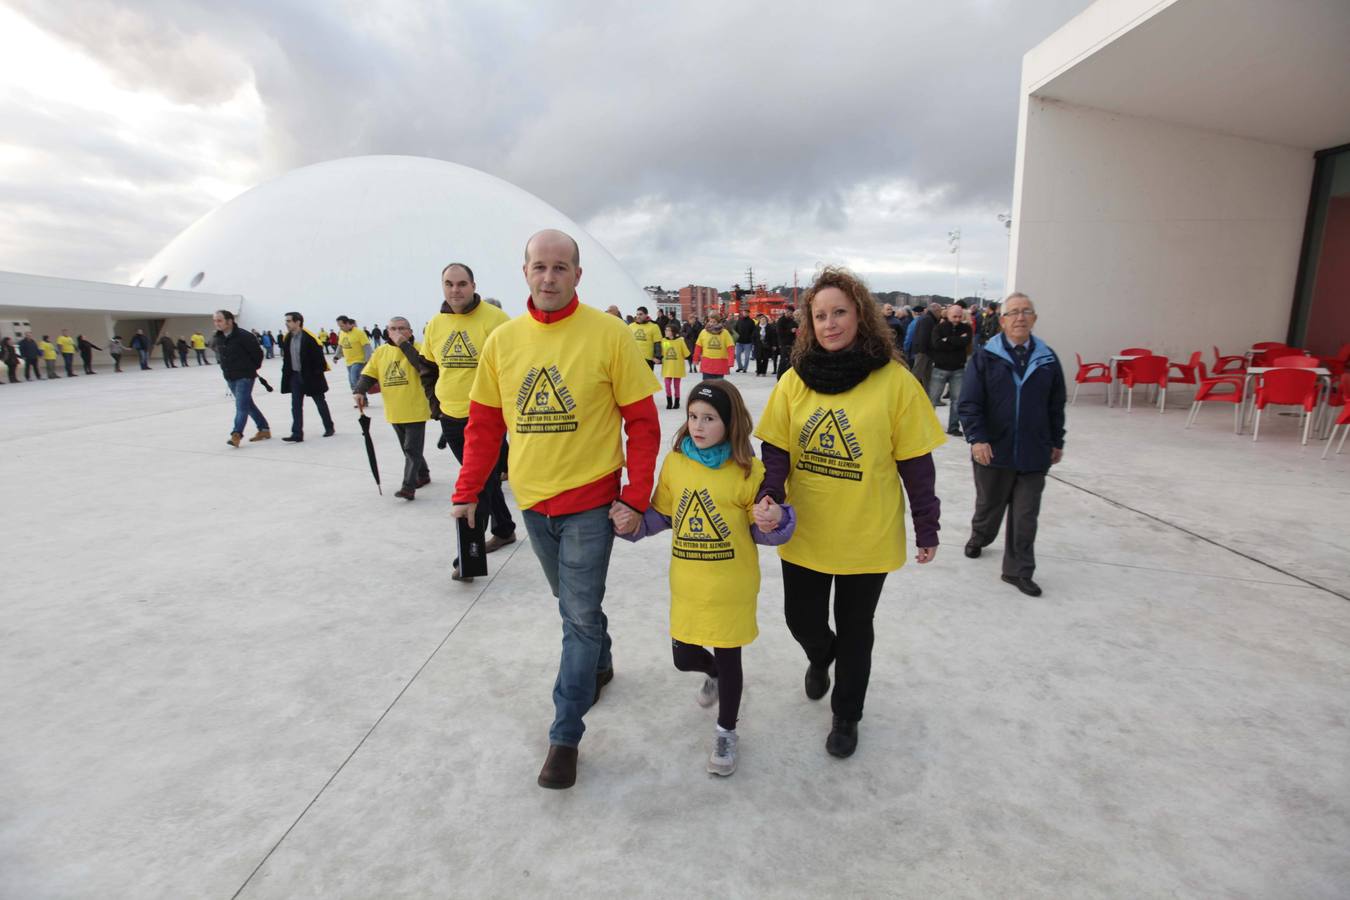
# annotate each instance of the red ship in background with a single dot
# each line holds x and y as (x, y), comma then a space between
(758, 301)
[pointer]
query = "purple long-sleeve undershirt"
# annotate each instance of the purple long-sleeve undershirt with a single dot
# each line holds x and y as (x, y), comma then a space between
(655, 523)
(918, 475)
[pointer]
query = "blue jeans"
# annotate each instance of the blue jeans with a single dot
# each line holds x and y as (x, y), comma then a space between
(242, 388)
(936, 382)
(744, 353)
(144, 356)
(574, 553)
(354, 372)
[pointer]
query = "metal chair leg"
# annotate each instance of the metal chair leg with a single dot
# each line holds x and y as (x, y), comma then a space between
(1129, 405)
(1341, 445)
(1190, 417)
(1307, 420)
(1257, 430)
(1237, 418)
(1162, 400)
(1075, 394)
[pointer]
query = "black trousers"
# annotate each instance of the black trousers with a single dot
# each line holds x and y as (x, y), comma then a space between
(922, 369)
(70, 363)
(806, 605)
(13, 372)
(201, 358)
(168, 360)
(491, 499)
(298, 407)
(1019, 493)
(30, 367)
(724, 664)
(412, 438)
(762, 357)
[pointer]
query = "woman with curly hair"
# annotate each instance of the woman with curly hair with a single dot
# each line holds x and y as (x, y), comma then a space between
(843, 429)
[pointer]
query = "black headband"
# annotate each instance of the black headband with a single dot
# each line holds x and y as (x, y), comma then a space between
(718, 400)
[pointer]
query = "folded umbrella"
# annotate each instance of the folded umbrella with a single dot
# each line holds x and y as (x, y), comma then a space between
(370, 451)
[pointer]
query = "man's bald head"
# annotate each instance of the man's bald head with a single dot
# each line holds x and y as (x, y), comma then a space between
(549, 237)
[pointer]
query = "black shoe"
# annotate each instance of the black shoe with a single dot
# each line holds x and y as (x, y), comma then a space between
(954, 431)
(1025, 585)
(329, 433)
(670, 402)
(406, 494)
(423, 481)
(973, 551)
(442, 443)
(560, 768)
(293, 439)
(842, 739)
(817, 681)
(602, 679)
(455, 576)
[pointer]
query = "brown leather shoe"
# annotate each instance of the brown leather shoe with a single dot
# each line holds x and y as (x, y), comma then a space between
(497, 543)
(235, 438)
(262, 435)
(560, 768)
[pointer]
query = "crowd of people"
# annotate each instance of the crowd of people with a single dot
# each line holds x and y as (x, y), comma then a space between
(565, 393)
(30, 351)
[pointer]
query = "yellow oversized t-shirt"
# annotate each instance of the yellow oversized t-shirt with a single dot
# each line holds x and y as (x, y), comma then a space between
(673, 354)
(48, 350)
(715, 346)
(453, 341)
(559, 387)
(353, 344)
(714, 565)
(842, 481)
(66, 344)
(404, 399)
(647, 335)
(198, 341)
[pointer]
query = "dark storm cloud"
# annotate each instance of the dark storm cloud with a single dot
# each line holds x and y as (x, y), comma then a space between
(732, 112)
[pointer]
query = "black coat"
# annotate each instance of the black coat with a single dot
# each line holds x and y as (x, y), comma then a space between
(312, 364)
(949, 345)
(745, 330)
(767, 339)
(240, 355)
(923, 334)
(28, 349)
(787, 333)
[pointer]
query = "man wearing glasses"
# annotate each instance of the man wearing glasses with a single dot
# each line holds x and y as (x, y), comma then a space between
(1012, 413)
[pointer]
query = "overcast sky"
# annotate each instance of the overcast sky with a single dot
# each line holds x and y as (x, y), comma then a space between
(692, 138)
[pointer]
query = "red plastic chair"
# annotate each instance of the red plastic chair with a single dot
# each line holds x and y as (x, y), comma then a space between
(1185, 372)
(1145, 370)
(1090, 373)
(1295, 362)
(1336, 364)
(1218, 389)
(1286, 387)
(1224, 365)
(1130, 351)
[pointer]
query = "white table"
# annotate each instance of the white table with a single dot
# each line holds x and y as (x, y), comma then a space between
(1252, 371)
(1111, 362)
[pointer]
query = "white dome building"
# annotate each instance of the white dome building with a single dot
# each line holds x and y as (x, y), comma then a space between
(367, 237)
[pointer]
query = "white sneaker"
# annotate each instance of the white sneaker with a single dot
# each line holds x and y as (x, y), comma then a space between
(723, 758)
(707, 695)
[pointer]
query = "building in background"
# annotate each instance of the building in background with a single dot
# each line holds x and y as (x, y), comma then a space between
(697, 301)
(1166, 157)
(660, 300)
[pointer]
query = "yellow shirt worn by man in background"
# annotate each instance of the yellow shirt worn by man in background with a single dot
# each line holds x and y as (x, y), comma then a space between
(198, 341)
(48, 349)
(66, 343)
(648, 337)
(454, 342)
(353, 344)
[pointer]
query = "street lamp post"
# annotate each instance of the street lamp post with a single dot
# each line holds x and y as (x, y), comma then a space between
(954, 246)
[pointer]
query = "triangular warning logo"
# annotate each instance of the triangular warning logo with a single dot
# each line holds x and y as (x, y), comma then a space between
(670, 353)
(697, 522)
(395, 374)
(543, 396)
(828, 439)
(457, 346)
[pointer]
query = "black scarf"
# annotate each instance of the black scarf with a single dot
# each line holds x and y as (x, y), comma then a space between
(834, 373)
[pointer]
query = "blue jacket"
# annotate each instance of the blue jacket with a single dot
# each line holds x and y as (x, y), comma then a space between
(909, 333)
(1022, 419)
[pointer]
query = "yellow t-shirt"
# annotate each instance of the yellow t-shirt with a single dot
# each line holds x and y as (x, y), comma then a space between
(454, 341)
(715, 346)
(673, 355)
(404, 399)
(714, 565)
(322, 338)
(842, 482)
(648, 334)
(353, 345)
(559, 387)
(48, 349)
(198, 342)
(66, 344)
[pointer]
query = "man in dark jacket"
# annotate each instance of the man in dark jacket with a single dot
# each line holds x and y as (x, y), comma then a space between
(141, 344)
(921, 361)
(28, 349)
(948, 348)
(787, 336)
(302, 374)
(744, 332)
(166, 347)
(240, 356)
(1012, 411)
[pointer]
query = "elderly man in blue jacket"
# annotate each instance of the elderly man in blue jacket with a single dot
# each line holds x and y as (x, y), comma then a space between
(1012, 412)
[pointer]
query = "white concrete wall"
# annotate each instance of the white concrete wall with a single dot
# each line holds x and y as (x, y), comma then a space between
(1134, 232)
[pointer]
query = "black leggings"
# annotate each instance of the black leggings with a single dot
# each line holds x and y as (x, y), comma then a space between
(724, 664)
(806, 604)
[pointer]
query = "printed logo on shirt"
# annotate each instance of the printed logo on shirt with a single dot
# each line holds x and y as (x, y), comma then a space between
(458, 352)
(544, 405)
(670, 353)
(395, 375)
(829, 446)
(700, 532)
(715, 343)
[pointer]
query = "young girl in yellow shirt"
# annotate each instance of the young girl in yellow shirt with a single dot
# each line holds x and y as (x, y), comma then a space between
(706, 496)
(674, 351)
